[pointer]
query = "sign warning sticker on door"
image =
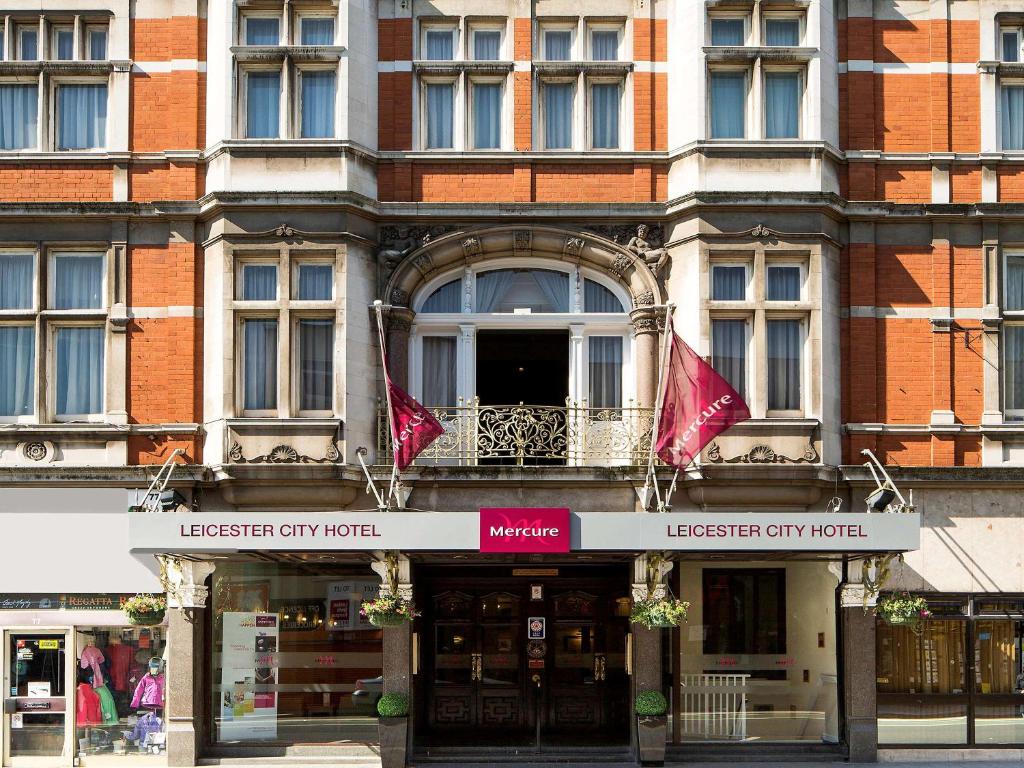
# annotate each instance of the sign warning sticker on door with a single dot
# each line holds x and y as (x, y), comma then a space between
(536, 627)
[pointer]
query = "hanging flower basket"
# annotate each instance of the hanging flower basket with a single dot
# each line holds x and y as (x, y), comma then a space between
(903, 610)
(145, 610)
(388, 610)
(659, 613)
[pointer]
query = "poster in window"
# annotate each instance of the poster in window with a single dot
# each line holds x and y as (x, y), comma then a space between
(249, 676)
(344, 599)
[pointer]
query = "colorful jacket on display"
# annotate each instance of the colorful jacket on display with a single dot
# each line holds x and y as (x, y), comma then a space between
(107, 705)
(149, 692)
(93, 657)
(120, 657)
(87, 706)
(148, 723)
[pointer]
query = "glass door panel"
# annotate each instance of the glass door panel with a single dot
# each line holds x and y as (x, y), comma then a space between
(453, 659)
(36, 711)
(500, 655)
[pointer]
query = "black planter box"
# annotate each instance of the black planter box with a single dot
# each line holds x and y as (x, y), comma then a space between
(393, 733)
(650, 737)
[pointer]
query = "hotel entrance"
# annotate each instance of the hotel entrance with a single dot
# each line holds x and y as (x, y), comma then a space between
(523, 657)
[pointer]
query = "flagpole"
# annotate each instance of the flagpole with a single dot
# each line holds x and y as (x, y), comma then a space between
(669, 306)
(378, 306)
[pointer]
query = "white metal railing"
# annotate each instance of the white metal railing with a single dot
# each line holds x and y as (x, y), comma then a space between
(714, 707)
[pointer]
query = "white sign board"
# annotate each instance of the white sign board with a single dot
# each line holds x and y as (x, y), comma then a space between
(248, 678)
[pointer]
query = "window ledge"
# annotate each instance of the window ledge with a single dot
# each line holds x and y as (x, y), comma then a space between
(285, 423)
(726, 53)
(255, 53)
(555, 68)
(99, 428)
(1002, 68)
(430, 67)
(64, 156)
(77, 67)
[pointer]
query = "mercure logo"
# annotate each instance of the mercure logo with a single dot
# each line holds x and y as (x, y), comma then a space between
(524, 530)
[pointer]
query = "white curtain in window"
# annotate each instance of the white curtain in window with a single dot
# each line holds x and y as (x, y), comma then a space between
(318, 31)
(491, 288)
(65, 45)
(1013, 116)
(784, 365)
(316, 282)
(79, 371)
(605, 370)
(727, 31)
(728, 104)
(439, 371)
(782, 32)
(81, 116)
(555, 287)
(78, 282)
(1013, 367)
(440, 44)
(316, 365)
(259, 282)
(262, 31)
(604, 45)
(1014, 282)
(17, 369)
(486, 45)
(317, 105)
(440, 98)
(782, 105)
(260, 364)
(728, 283)
(558, 116)
(729, 352)
(19, 116)
(263, 105)
(16, 280)
(605, 116)
(487, 116)
(97, 44)
(597, 298)
(447, 298)
(558, 45)
(783, 284)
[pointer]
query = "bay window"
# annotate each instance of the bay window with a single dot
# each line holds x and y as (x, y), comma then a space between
(316, 365)
(784, 282)
(729, 282)
(785, 343)
(782, 104)
(728, 93)
(81, 117)
(729, 352)
(259, 372)
(317, 95)
(313, 281)
(263, 105)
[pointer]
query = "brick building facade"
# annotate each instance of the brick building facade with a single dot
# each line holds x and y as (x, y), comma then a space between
(201, 202)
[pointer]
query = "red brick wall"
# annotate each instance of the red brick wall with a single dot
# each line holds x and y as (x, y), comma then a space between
(55, 182)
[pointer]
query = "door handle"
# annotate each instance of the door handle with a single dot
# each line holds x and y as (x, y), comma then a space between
(477, 669)
(599, 667)
(603, 666)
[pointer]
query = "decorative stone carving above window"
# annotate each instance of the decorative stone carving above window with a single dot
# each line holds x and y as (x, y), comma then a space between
(761, 454)
(283, 454)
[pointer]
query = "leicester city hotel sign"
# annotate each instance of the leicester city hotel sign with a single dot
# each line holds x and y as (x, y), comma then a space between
(525, 530)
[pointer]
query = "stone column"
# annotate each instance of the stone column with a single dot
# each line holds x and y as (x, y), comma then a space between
(185, 708)
(398, 322)
(858, 660)
(646, 344)
(646, 642)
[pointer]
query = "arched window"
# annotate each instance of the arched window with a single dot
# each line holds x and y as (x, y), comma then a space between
(445, 299)
(597, 298)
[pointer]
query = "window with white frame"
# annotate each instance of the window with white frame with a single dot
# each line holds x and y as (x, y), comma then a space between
(782, 30)
(19, 114)
(96, 42)
(57, 335)
(605, 113)
(728, 95)
(557, 43)
(438, 43)
(783, 95)
(260, 29)
(316, 30)
(604, 43)
(557, 97)
(438, 113)
(26, 40)
(1012, 114)
(285, 330)
(728, 30)
(486, 43)
(1013, 335)
(1011, 39)
(730, 339)
(486, 97)
(62, 42)
(80, 118)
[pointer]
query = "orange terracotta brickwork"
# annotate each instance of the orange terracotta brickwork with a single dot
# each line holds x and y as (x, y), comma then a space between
(57, 182)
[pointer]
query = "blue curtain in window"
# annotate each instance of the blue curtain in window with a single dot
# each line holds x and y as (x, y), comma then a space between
(259, 282)
(783, 284)
(555, 287)
(604, 45)
(728, 104)
(440, 45)
(316, 282)
(1014, 282)
(492, 287)
(440, 133)
(727, 31)
(260, 365)
(65, 45)
(729, 352)
(29, 45)
(487, 116)
(262, 31)
(486, 45)
(318, 105)
(782, 32)
(19, 116)
(782, 105)
(558, 116)
(557, 45)
(17, 370)
(605, 370)
(98, 45)
(597, 298)
(447, 298)
(1011, 48)
(81, 116)
(1013, 367)
(1012, 109)
(784, 365)
(728, 283)
(605, 115)
(318, 31)
(78, 282)
(316, 364)
(16, 280)
(263, 105)
(439, 371)
(79, 371)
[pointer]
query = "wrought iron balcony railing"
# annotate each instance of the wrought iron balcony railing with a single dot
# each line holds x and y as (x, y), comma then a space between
(533, 435)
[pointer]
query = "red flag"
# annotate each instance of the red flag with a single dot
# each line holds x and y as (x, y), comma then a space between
(697, 405)
(413, 427)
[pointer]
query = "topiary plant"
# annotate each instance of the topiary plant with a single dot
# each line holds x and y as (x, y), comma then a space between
(651, 704)
(393, 705)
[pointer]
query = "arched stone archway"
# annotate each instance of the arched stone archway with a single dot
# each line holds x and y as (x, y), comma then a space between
(460, 249)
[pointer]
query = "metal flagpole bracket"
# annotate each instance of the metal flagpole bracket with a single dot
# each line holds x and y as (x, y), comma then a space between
(371, 486)
(883, 498)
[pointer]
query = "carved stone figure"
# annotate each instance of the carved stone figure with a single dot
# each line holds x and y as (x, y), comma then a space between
(394, 251)
(655, 256)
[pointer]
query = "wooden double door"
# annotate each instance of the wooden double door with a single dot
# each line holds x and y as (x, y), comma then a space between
(486, 680)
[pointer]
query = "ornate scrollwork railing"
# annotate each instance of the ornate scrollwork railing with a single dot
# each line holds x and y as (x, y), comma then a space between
(529, 435)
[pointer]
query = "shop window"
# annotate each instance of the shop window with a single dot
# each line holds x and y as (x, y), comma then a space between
(292, 659)
(121, 691)
(745, 611)
(37, 682)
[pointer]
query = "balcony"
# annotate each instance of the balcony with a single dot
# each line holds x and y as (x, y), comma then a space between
(532, 435)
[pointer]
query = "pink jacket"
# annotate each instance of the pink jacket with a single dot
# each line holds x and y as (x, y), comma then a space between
(93, 657)
(149, 692)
